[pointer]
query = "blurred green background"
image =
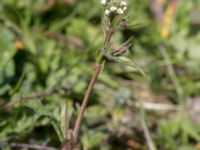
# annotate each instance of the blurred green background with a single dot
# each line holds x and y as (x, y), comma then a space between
(47, 55)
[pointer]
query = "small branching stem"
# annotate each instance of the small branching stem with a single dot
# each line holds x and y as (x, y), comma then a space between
(98, 68)
(109, 36)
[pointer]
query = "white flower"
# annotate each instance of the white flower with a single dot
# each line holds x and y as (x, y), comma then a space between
(120, 11)
(103, 2)
(124, 8)
(123, 3)
(113, 8)
(107, 12)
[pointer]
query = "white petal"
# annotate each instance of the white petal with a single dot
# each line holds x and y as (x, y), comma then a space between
(120, 11)
(107, 12)
(123, 3)
(113, 8)
(124, 8)
(103, 2)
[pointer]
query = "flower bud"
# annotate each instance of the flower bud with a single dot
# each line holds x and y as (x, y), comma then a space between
(123, 3)
(120, 11)
(107, 12)
(113, 8)
(103, 2)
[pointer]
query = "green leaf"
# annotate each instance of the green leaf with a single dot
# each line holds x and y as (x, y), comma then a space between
(7, 49)
(135, 67)
(93, 138)
(64, 120)
(40, 109)
(190, 129)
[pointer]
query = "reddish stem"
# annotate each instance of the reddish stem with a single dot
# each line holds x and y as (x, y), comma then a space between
(85, 101)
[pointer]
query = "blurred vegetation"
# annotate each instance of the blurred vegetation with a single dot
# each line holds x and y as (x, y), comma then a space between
(47, 55)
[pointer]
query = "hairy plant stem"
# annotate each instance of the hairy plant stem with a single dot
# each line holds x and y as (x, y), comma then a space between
(100, 61)
(99, 65)
(85, 100)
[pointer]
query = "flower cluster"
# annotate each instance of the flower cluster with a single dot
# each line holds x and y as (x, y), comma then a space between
(114, 6)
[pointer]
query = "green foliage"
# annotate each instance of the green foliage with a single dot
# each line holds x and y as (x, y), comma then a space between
(44, 46)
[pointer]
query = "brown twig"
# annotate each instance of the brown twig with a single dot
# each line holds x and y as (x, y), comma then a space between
(147, 135)
(85, 100)
(35, 95)
(146, 131)
(29, 146)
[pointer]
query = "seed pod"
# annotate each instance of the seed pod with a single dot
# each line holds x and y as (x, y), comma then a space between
(123, 23)
(121, 50)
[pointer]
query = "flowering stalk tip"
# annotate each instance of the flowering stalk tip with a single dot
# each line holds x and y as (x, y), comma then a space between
(116, 7)
(103, 2)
